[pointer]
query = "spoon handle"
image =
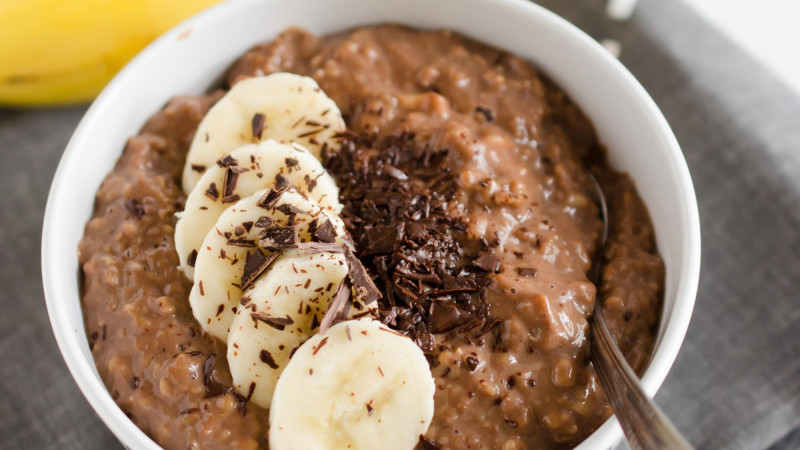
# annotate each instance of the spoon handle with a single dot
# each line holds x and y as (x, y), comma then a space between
(645, 426)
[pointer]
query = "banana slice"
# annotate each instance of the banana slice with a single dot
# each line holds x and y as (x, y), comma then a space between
(358, 386)
(246, 170)
(283, 309)
(220, 263)
(282, 106)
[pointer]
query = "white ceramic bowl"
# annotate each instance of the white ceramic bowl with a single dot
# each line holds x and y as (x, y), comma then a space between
(192, 56)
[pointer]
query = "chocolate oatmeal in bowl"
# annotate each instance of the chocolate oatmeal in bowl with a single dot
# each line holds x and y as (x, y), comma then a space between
(377, 238)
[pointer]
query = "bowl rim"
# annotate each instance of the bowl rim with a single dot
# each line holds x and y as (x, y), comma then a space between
(84, 373)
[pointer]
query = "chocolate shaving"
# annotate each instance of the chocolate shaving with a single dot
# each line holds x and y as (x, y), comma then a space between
(266, 358)
(229, 185)
(397, 193)
(291, 164)
(487, 327)
(428, 444)
(338, 308)
(316, 247)
(324, 233)
(135, 207)
(487, 113)
(527, 272)
(321, 344)
(241, 242)
(278, 238)
(257, 125)
(255, 264)
(279, 323)
(311, 183)
(198, 168)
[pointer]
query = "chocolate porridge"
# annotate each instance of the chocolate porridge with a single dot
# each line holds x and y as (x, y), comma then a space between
(464, 176)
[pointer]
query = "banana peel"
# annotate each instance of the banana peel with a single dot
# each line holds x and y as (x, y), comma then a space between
(57, 52)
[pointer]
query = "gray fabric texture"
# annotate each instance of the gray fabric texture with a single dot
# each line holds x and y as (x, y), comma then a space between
(736, 382)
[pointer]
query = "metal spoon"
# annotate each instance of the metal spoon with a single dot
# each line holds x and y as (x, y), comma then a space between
(645, 425)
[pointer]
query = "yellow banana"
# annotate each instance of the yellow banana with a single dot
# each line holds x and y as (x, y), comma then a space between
(64, 51)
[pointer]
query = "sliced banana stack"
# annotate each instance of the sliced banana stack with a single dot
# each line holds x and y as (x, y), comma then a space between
(358, 386)
(273, 269)
(274, 219)
(238, 175)
(284, 107)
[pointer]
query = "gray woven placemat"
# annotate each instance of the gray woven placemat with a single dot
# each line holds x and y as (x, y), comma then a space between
(736, 383)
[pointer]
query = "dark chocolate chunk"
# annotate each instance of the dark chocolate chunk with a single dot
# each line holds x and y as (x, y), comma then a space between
(488, 262)
(281, 183)
(444, 316)
(291, 164)
(383, 239)
(277, 238)
(528, 272)
(364, 288)
(271, 197)
(192, 258)
(212, 385)
(263, 222)
(135, 207)
(314, 322)
(289, 209)
(257, 125)
(212, 192)
(266, 358)
(227, 161)
(255, 264)
(472, 362)
(324, 233)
